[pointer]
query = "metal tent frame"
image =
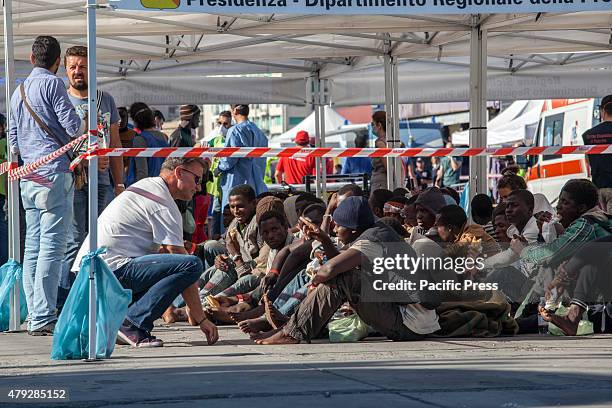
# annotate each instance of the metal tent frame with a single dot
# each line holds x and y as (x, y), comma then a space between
(124, 44)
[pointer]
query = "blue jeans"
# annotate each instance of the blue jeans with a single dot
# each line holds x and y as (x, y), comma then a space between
(80, 227)
(244, 284)
(208, 251)
(217, 216)
(48, 217)
(155, 281)
(3, 233)
(293, 294)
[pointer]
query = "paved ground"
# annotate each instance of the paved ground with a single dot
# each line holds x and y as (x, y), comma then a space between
(527, 371)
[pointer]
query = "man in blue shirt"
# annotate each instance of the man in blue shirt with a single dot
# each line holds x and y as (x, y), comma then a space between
(354, 165)
(243, 170)
(47, 194)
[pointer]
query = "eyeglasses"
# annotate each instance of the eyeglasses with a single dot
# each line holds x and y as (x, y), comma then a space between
(197, 179)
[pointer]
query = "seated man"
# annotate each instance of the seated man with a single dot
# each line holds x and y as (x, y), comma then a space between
(589, 270)
(518, 213)
(377, 201)
(339, 280)
(582, 219)
(288, 262)
(394, 207)
(482, 212)
(142, 232)
(274, 231)
(242, 220)
(242, 241)
(461, 238)
(347, 190)
(428, 204)
(501, 224)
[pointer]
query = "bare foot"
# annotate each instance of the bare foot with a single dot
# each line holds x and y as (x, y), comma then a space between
(239, 308)
(278, 338)
(254, 325)
(263, 335)
(174, 314)
(169, 316)
(226, 301)
(221, 316)
(250, 314)
(274, 317)
(568, 324)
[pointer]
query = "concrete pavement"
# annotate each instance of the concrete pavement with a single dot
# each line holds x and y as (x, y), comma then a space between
(525, 371)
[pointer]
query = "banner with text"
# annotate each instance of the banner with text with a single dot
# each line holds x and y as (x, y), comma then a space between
(365, 6)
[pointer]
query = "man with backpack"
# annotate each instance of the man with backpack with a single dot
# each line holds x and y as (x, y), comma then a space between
(75, 62)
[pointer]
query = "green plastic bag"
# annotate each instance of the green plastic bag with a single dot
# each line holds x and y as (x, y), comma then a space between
(347, 329)
(10, 272)
(585, 327)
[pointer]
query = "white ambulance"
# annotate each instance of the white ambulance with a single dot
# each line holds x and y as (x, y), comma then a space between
(561, 124)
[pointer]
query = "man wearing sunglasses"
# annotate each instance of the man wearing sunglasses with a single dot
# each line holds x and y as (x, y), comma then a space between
(143, 235)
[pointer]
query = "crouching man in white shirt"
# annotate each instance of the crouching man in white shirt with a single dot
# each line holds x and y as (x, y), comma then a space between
(143, 235)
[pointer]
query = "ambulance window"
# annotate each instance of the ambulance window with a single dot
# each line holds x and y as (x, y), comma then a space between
(553, 133)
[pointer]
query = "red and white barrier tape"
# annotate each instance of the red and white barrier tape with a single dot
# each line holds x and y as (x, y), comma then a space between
(22, 171)
(6, 166)
(305, 152)
(349, 152)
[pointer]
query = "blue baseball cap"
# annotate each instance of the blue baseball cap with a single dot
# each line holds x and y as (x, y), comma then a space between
(355, 213)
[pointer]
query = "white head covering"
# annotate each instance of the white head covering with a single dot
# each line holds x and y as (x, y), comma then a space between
(541, 203)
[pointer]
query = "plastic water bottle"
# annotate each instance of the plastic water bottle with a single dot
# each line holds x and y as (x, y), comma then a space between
(542, 324)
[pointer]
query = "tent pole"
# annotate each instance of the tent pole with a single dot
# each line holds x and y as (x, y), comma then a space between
(323, 161)
(316, 98)
(390, 126)
(478, 106)
(396, 119)
(14, 244)
(93, 169)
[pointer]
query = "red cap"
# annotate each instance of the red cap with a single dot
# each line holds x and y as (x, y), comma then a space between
(302, 137)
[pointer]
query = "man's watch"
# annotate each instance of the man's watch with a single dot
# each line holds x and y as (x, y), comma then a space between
(236, 257)
(120, 185)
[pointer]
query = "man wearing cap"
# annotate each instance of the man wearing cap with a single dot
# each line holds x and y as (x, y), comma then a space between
(295, 168)
(242, 170)
(340, 280)
(190, 120)
(428, 206)
(601, 164)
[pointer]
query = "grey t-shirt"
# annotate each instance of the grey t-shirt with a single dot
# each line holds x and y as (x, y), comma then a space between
(107, 115)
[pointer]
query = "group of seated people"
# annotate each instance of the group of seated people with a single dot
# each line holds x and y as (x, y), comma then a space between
(286, 266)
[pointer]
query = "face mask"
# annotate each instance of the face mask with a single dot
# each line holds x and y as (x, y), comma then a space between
(222, 130)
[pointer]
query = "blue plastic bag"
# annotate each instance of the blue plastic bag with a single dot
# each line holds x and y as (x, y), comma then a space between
(71, 336)
(9, 273)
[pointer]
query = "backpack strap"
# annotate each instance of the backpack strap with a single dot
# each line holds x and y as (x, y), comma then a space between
(40, 122)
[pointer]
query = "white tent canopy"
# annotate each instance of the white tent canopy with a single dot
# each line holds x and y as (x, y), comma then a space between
(174, 58)
(517, 123)
(333, 121)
